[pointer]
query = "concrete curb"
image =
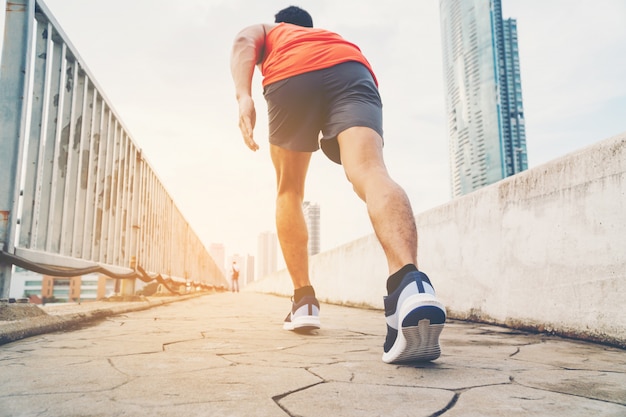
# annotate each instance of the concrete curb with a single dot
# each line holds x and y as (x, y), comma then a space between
(48, 322)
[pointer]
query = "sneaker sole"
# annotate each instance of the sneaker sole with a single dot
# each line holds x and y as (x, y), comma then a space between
(302, 324)
(420, 341)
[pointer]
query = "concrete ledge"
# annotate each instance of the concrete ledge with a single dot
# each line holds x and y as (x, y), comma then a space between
(544, 250)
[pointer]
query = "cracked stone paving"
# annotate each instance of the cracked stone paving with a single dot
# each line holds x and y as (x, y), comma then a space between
(227, 355)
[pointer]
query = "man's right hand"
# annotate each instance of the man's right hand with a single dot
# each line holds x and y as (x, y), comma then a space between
(247, 120)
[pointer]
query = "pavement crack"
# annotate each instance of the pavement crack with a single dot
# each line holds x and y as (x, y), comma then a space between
(363, 333)
(315, 375)
(568, 393)
(165, 345)
(457, 395)
(279, 397)
(448, 406)
(112, 365)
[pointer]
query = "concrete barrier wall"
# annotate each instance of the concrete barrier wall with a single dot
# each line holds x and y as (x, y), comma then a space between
(543, 250)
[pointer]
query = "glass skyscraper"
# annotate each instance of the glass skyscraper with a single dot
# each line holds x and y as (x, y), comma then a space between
(312, 217)
(487, 136)
(266, 253)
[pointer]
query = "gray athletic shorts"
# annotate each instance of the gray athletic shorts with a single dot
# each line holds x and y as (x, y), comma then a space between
(329, 101)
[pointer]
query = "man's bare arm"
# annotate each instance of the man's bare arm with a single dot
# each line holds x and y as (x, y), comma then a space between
(247, 52)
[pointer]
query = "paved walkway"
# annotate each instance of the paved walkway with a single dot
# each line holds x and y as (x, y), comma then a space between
(226, 355)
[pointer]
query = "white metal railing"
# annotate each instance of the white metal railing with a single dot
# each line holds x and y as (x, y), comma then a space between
(75, 190)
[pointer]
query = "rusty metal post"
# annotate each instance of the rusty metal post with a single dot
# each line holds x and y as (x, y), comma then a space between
(127, 287)
(14, 101)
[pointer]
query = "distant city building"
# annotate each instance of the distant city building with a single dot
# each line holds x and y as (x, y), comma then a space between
(487, 135)
(312, 217)
(267, 250)
(249, 275)
(218, 253)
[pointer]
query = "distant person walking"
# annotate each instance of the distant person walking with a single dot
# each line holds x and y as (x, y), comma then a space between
(234, 274)
(316, 82)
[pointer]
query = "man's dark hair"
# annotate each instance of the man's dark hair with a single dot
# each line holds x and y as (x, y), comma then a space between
(295, 16)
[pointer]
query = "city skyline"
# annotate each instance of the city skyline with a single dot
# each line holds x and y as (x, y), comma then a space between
(175, 95)
(485, 114)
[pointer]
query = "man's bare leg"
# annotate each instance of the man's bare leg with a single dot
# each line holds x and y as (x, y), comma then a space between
(291, 169)
(388, 206)
(414, 316)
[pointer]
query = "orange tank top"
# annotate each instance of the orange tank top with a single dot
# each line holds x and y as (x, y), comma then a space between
(293, 50)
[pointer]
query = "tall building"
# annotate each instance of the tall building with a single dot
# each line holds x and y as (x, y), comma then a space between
(312, 217)
(487, 136)
(249, 273)
(266, 253)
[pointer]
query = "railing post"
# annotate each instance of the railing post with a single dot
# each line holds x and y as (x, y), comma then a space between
(14, 101)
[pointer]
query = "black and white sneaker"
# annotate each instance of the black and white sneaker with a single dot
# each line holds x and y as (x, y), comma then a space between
(415, 318)
(304, 315)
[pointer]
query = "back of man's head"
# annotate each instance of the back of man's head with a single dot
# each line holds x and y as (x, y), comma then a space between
(295, 16)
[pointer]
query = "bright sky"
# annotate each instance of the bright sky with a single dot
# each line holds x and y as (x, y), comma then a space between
(164, 65)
